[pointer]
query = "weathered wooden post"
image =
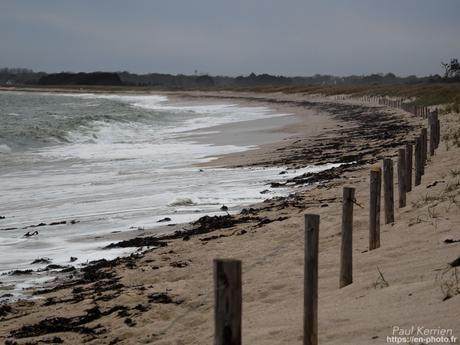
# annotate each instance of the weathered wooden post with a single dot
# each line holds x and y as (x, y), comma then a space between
(227, 302)
(374, 207)
(418, 161)
(432, 126)
(388, 190)
(346, 253)
(438, 132)
(409, 153)
(310, 320)
(402, 177)
(424, 136)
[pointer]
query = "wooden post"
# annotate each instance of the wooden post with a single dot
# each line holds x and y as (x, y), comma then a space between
(310, 320)
(374, 205)
(418, 161)
(346, 254)
(388, 190)
(409, 153)
(424, 148)
(438, 132)
(432, 126)
(227, 302)
(402, 177)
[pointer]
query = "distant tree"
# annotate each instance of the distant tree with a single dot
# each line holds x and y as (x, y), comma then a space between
(451, 69)
(204, 80)
(68, 78)
(390, 76)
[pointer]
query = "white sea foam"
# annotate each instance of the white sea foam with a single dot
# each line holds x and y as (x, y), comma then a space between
(4, 149)
(209, 115)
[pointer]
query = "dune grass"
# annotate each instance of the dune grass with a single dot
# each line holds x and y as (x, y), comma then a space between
(424, 94)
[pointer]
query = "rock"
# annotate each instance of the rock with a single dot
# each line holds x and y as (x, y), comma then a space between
(41, 261)
(141, 308)
(37, 225)
(162, 298)
(68, 269)
(246, 211)
(58, 223)
(129, 322)
(138, 242)
(20, 272)
(214, 222)
(455, 263)
(166, 219)
(53, 267)
(5, 309)
(179, 264)
(277, 184)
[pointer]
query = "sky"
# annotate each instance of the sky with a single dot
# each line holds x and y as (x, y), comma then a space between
(233, 37)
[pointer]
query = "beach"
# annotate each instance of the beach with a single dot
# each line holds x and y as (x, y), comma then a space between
(164, 295)
(80, 168)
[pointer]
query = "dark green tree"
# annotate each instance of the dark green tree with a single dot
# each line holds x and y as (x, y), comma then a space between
(451, 69)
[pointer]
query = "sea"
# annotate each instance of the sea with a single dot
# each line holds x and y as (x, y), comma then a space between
(77, 167)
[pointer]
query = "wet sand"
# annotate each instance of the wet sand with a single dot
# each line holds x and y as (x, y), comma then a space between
(165, 296)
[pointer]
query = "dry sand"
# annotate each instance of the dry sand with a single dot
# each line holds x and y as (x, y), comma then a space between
(164, 296)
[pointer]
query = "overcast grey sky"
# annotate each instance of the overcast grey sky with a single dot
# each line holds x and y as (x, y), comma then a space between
(289, 37)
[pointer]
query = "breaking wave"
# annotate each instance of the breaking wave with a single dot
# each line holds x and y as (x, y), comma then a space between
(4, 149)
(182, 202)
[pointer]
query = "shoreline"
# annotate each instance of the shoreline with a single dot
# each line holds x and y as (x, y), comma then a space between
(281, 122)
(297, 135)
(181, 270)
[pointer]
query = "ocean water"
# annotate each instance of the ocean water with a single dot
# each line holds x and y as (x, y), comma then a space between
(111, 163)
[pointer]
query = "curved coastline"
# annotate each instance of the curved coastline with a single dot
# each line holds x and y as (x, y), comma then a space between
(265, 235)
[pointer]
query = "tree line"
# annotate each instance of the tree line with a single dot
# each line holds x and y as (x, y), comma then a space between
(21, 76)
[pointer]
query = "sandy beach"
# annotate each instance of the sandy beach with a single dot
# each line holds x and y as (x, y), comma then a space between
(164, 295)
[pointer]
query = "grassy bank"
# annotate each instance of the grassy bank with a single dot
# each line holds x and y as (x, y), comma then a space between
(424, 94)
